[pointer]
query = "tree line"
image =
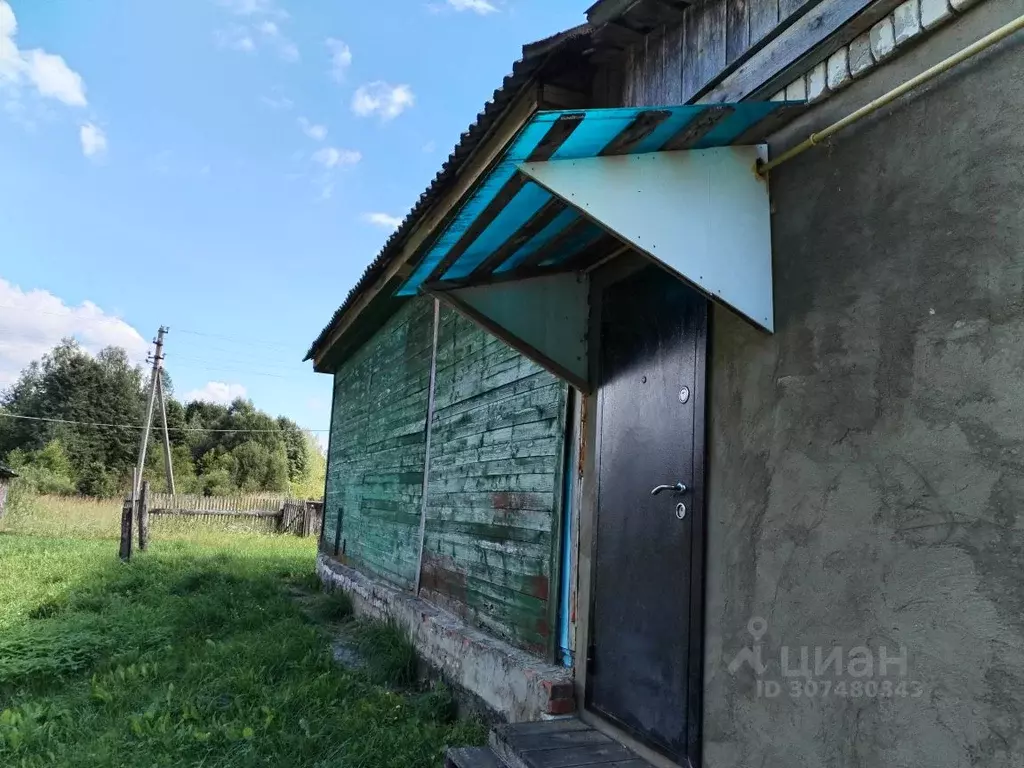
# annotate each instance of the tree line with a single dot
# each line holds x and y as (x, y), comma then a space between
(215, 449)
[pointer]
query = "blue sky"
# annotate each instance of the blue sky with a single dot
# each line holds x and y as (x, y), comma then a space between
(226, 167)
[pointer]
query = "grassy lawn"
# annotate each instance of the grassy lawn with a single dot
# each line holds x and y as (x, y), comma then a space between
(197, 653)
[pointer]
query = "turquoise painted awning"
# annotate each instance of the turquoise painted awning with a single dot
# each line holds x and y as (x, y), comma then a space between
(512, 227)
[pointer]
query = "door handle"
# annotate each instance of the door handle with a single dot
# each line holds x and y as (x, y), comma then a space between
(678, 488)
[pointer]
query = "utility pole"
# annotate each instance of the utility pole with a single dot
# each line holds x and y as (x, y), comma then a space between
(154, 382)
(168, 467)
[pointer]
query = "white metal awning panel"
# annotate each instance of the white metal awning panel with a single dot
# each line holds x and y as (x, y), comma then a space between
(703, 214)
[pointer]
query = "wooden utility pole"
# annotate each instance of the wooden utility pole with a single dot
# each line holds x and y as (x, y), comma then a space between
(168, 467)
(127, 511)
(143, 504)
(147, 424)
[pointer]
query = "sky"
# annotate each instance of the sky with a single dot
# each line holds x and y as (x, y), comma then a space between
(226, 168)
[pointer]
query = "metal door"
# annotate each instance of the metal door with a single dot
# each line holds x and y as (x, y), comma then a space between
(644, 670)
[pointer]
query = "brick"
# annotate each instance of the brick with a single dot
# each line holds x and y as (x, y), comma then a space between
(883, 39)
(935, 13)
(906, 21)
(817, 82)
(560, 689)
(861, 59)
(796, 91)
(561, 706)
(838, 69)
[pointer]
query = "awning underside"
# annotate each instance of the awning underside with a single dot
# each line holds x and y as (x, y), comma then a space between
(512, 227)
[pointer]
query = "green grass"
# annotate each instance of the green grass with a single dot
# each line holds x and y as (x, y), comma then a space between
(194, 654)
(389, 653)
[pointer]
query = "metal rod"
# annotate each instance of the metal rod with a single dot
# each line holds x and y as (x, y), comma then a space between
(932, 72)
(426, 455)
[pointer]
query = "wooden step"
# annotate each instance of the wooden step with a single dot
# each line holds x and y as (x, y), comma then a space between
(561, 743)
(472, 757)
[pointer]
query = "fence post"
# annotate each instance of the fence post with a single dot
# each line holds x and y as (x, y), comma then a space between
(127, 511)
(144, 517)
(307, 519)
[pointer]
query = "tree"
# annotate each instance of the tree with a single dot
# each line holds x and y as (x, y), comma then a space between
(71, 385)
(310, 485)
(215, 449)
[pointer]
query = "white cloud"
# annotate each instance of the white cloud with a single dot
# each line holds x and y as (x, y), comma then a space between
(429, 147)
(33, 322)
(388, 101)
(216, 392)
(477, 6)
(331, 157)
(54, 78)
(288, 51)
(249, 37)
(313, 130)
(341, 58)
(277, 102)
(47, 73)
(382, 220)
(253, 8)
(236, 39)
(94, 140)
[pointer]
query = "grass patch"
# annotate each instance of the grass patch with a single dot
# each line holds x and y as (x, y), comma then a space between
(195, 653)
(333, 606)
(388, 651)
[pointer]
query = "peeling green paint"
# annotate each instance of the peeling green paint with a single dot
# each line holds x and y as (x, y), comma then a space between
(495, 468)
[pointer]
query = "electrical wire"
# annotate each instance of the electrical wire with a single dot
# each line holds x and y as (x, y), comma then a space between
(140, 427)
(234, 338)
(108, 319)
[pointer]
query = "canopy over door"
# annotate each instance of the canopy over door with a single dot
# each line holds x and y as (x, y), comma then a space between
(576, 188)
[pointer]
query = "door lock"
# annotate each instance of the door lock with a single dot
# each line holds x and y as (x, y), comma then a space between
(678, 488)
(680, 510)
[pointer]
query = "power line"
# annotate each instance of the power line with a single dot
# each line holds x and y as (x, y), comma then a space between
(70, 314)
(234, 338)
(140, 426)
(187, 360)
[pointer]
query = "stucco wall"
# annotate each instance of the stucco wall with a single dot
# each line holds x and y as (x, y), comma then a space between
(866, 463)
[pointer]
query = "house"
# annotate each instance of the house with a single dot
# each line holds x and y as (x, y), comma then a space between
(726, 457)
(6, 475)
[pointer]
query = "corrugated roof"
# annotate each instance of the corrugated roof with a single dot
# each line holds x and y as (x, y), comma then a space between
(534, 57)
(509, 222)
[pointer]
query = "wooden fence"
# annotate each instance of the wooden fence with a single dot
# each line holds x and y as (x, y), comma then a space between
(277, 513)
(297, 516)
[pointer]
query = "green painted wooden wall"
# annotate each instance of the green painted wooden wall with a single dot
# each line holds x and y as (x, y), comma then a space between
(376, 450)
(495, 488)
(495, 491)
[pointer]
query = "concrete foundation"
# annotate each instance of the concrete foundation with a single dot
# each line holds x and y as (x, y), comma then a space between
(514, 685)
(866, 462)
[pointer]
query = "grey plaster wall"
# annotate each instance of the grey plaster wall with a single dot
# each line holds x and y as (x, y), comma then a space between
(866, 467)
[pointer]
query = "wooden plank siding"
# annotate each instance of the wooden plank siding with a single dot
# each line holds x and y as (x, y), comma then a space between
(678, 63)
(495, 488)
(377, 447)
(495, 485)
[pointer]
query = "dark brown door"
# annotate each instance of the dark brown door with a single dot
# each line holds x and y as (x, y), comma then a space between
(645, 638)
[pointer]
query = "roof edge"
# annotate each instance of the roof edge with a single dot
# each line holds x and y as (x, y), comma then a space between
(505, 98)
